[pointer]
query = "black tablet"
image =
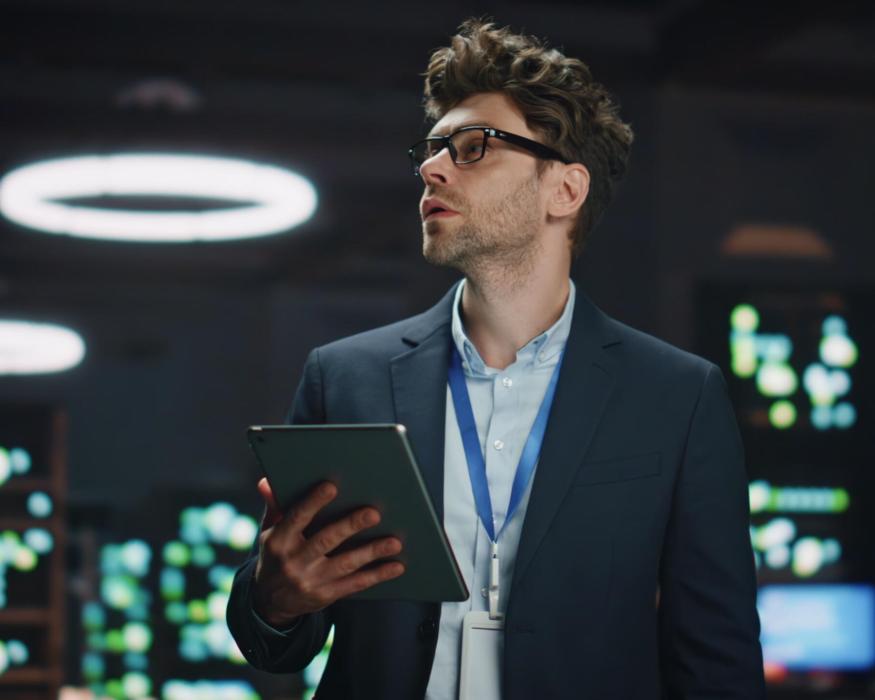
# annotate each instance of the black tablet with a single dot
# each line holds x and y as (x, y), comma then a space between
(371, 465)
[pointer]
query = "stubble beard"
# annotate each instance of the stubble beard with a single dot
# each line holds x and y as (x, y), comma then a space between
(496, 245)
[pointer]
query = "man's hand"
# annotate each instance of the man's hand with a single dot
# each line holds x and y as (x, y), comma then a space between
(295, 576)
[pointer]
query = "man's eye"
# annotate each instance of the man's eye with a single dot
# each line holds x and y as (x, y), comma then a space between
(471, 149)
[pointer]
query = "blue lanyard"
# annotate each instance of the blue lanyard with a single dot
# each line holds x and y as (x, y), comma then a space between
(474, 457)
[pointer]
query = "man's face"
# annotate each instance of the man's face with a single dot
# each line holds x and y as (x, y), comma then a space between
(490, 210)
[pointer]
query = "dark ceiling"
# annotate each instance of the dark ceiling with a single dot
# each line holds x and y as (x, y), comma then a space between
(332, 90)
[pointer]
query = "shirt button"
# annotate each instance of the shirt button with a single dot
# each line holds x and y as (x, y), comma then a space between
(498, 445)
(508, 382)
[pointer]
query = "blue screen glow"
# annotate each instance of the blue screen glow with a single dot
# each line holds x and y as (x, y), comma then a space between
(818, 626)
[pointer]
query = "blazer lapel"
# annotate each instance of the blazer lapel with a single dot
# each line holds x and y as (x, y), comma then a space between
(585, 384)
(419, 387)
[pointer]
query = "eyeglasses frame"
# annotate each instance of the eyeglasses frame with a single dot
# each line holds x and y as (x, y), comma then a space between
(534, 147)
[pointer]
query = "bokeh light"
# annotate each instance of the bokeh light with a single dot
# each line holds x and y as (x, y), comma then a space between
(137, 637)
(782, 414)
(38, 348)
(18, 652)
(39, 540)
(39, 504)
(807, 557)
(19, 460)
(177, 554)
(243, 532)
(744, 318)
(135, 556)
(5, 466)
(838, 351)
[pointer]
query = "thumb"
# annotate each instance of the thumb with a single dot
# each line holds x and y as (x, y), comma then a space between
(272, 512)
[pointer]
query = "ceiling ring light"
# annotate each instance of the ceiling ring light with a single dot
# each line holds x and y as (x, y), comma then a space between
(27, 347)
(273, 199)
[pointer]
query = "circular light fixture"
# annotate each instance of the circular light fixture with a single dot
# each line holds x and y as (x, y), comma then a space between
(273, 199)
(38, 348)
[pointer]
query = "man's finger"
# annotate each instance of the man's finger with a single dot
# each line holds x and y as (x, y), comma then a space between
(365, 579)
(272, 512)
(332, 536)
(301, 514)
(348, 563)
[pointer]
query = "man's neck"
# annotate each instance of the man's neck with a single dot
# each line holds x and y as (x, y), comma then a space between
(502, 315)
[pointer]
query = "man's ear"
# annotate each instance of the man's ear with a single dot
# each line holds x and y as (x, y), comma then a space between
(570, 192)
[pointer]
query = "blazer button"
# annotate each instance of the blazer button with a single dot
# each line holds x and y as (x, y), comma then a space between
(427, 629)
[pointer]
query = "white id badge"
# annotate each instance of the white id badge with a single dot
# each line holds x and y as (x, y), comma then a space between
(482, 646)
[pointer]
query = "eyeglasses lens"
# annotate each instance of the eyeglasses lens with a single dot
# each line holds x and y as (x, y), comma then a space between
(468, 146)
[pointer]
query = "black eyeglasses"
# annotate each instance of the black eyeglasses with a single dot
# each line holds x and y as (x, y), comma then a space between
(468, 145)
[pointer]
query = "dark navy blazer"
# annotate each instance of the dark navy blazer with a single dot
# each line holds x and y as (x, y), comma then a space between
(634, 576)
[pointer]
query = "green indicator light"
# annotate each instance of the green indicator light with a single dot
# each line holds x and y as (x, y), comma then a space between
(744, 318)
(24, 559)
(115, 689)
(744, 355)
(840, 500)
(198, 611)
(782, 414)
(115, 641)
(177, 554)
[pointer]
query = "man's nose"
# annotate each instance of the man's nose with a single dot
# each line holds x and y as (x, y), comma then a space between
(438, 168)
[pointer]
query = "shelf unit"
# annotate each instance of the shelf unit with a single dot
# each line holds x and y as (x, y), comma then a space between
(43, 430)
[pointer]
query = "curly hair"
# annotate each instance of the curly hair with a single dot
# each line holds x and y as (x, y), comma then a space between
(557, 95)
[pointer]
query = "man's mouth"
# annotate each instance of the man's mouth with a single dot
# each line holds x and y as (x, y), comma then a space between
(437, 212)
(435, 208)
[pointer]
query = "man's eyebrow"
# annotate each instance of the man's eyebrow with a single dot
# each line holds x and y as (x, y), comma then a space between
(456, 127)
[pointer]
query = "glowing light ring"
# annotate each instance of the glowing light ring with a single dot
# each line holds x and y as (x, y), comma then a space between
(279, 198)
(38, 348)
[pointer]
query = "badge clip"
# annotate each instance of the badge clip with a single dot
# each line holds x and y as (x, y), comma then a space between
(493, 585)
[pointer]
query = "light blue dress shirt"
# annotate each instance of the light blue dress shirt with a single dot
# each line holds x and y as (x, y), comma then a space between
(505, 403)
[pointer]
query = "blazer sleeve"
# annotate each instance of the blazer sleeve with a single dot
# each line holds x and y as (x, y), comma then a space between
(265, 648)
(708, 623)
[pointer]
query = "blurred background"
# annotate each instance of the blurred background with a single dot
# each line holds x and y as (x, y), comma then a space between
(127, 490)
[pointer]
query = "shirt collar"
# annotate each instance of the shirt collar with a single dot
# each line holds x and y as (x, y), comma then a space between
(542, 350)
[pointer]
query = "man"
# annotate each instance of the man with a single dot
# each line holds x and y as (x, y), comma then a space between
(625, 563)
